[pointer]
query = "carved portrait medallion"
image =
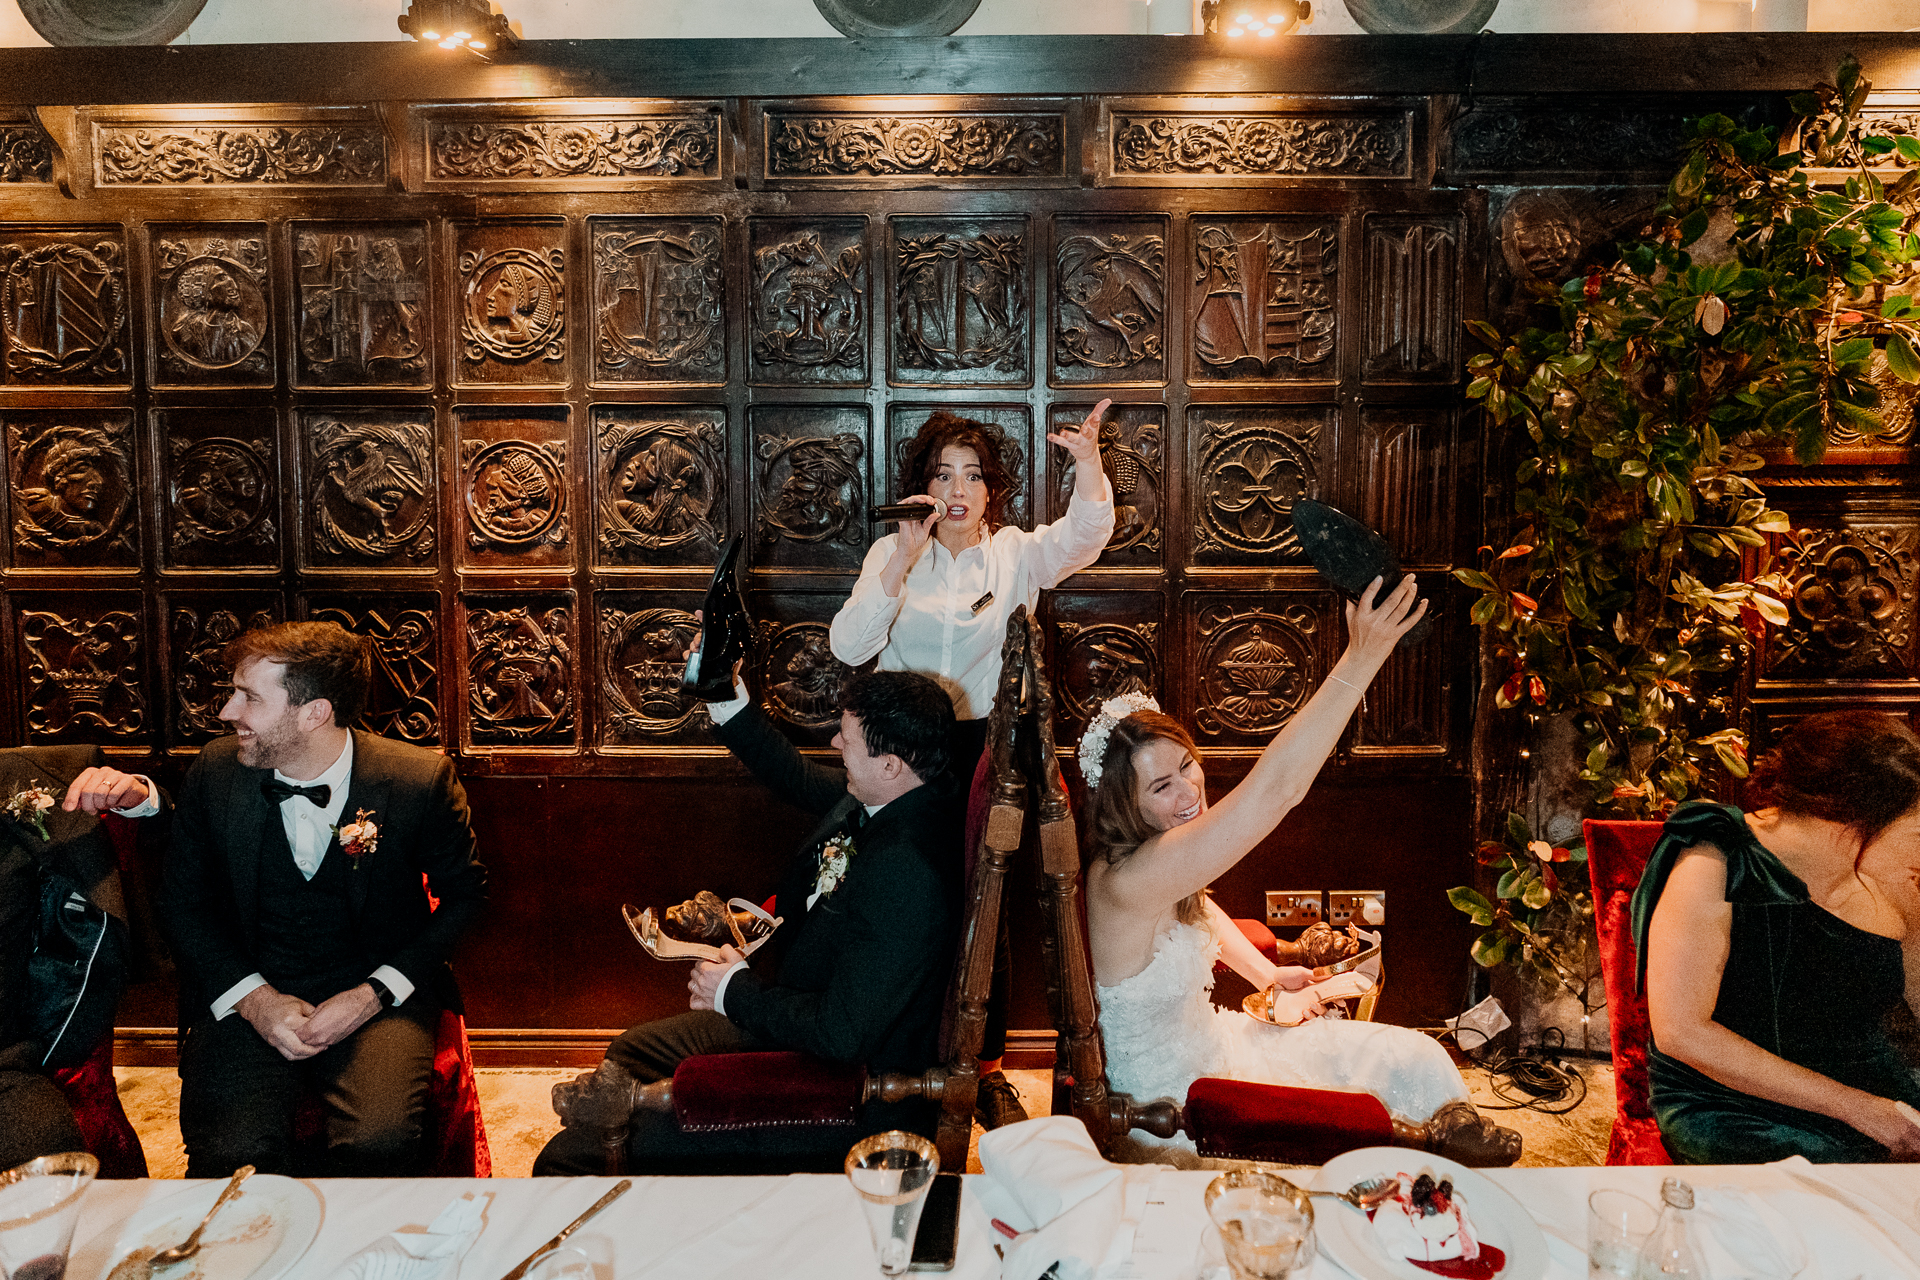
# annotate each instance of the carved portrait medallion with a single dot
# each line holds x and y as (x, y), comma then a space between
(63, 309)
(72, 488)
(809, 317)
(516, 493)
(1255, 668)
(658, 302)
(82, 674)
(520, 673)
(404, 700)
(1110, 302)
(370, 489)
(810, 488)
(201, 681)
(1104, 660)
(213, 313)
(642, 656)
(362, 304)
(513, 304)
(1264, 299)
(660, 484)
(802, 677)
(220, 491)
(960, 303)
(1248, 476)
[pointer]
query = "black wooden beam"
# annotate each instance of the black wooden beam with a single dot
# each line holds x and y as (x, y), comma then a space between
(401, 70)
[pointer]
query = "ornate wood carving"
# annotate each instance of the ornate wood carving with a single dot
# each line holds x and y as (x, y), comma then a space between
(404, 702)
(1407, 472)
(972, 145)
(197, 635)
(73, 484)
(520, 673)
(810, 489)
(625, 147)
(1101, 660)
(1616, 135)
(1246, 469)
(1010, 421)
(516, 494)
(660, 486)
(370, 489)
(643, 652)
(1264, 298)
(800, 675)
(362, 310)
(1412, 299)
(25, 153)
(1852, 608)
(961, 314)
(214, 321)
(151, 154)
(63, 308)
(1109, 300)
(1405, 712)
(1254, 667)
(659, 305)
(513, 303)
(809, 303)
(1294, 144)
(1130, 453)
(221, 488)
(83, 672)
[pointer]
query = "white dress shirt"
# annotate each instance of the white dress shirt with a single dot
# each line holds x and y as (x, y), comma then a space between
(309, 829)
(932, 626)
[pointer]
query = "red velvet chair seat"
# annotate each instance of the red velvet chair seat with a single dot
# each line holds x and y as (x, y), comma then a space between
(103, 1122)
(1242, 1121)
(1616, 855)
(726, 1092)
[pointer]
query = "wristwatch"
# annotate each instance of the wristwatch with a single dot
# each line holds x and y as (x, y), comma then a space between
(382, 993)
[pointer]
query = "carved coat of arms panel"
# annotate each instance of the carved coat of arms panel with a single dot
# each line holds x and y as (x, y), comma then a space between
(962, 305)
(1851, 614)
(509, 290)
(661, 485)
(1412, 299)
(1253, 660)
(810, 314)
(220, 488)
(1132, 453)
(1263, 299)
(799, 678)
(361, 304)
(200, 626)
(63, 308)
(1109, 300)
(1010, 427)
(521, 653)
(809, 485)
(211, 321)
(83, 667)
(404, 629)
(515, 482)
(369, 486)
(1103, 644)
(659, 302)
(1245, 466)
(642, 647)
(72, 484)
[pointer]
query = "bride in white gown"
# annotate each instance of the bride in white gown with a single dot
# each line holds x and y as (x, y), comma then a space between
(1156, 844)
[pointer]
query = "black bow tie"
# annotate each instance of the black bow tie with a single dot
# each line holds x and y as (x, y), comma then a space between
(857, 818)
(278, 792)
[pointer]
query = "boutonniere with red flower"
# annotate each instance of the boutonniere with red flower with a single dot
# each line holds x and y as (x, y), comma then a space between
(834, 857)
(359, 837)
(29, 807)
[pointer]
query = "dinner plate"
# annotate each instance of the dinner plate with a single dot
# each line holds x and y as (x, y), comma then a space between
(1347, 1237)
(260, 1235)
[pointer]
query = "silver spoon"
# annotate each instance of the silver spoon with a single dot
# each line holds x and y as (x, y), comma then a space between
(139, 1264)
(1366, 1193)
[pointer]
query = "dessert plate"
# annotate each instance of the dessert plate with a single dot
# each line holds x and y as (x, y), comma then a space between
(1347, 1235)
(260, 1235)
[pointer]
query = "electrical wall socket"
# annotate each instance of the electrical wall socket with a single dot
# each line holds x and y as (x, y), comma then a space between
(1364, 907)
(1294, 908)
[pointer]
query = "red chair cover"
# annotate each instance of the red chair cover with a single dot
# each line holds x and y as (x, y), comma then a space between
(103, 1121)
(1236, 1120)
(1262, 939)
(453, 1106)
(1616, 855)
(721, 1092)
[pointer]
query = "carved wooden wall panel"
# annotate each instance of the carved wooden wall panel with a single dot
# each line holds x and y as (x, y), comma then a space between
(962, 301)
(800, 143)
(211, 309)
(1109, 316)
(661, 486)
(1016, 430)
(642, 643)
(810, 469)
(1254, 661)
(219, 488)
(521, 677)
(659, 307)
(189, 151)
(514, 485)
(1132, 453)
(1103, 645)
(1245, 467)
(1167, 142)
(200, 626)
(1852, 615)
(509, 290)
(1412, 305)
(798, 677)
(1263, 299)
(370, 491)
(72, 487)
(63, 307)
(1409, 462)
(83, 668)
(361, 304)
(405, 630)
(26, 153)
(533, 149)
(810, 302)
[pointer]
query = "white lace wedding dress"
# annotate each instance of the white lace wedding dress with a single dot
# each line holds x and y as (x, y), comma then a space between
(1162, 1033)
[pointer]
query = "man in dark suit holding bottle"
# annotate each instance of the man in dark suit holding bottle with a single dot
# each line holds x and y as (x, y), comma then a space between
(858, 971)
(308, 949)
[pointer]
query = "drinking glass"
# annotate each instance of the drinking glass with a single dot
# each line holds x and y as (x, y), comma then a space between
(564, 1263)
(1265, 1224)
(1617, 1225)
(892, 1172)
(39, 1203)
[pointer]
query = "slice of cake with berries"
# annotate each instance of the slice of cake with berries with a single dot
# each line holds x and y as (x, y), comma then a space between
(1426, 1223)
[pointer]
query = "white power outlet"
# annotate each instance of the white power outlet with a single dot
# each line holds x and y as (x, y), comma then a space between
(1294, 908)
(1364, 907)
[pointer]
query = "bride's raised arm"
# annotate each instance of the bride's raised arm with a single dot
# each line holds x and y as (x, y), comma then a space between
(1191, 856)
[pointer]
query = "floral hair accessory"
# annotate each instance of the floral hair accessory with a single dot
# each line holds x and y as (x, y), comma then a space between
(29, 807)
(1093, 743)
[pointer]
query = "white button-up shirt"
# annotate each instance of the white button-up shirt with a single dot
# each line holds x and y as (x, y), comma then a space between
(932, 626)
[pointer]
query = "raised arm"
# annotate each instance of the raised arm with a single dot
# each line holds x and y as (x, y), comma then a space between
(1688, 941)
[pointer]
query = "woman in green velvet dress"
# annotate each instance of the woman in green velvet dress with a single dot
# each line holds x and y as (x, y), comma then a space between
(1770, 947)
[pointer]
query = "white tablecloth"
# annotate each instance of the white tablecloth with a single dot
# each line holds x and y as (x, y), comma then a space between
(800, 1228)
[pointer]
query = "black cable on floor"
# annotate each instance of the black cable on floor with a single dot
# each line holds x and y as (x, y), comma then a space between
(1532, 1079)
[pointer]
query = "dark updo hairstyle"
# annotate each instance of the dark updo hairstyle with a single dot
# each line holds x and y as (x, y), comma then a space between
(1857, 768)
(1115, 824)
(922, 456)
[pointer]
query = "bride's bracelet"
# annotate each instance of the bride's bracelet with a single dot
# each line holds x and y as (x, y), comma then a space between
(1351, 685)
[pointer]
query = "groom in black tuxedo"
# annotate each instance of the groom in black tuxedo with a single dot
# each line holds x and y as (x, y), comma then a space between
(858, 971)
(307, 947)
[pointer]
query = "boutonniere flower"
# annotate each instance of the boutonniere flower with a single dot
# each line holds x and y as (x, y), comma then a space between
(30, 807)
(834, 856)
(360, 837)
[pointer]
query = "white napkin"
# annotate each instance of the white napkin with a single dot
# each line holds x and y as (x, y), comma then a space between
(1762, 1242)
(1047, 1178)
(420, 1255)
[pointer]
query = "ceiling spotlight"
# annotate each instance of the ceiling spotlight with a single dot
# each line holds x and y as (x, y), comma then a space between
(452, 24)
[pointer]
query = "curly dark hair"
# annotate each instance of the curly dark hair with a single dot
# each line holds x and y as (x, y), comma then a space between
(922, 455)
(1857, 768)
(321, 660)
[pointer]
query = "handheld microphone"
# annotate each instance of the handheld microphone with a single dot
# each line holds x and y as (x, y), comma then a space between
(893, 512)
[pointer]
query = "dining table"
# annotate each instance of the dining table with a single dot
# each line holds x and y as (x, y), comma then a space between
(811, 1227)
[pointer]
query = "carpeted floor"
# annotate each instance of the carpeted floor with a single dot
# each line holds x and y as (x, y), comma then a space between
(520, 1118)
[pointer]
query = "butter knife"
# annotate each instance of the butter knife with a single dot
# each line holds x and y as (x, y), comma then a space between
(605, 1200)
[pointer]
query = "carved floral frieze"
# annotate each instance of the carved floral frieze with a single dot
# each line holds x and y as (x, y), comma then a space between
(1264, 143)
(678, 146)
(239, 155)
(887, 146)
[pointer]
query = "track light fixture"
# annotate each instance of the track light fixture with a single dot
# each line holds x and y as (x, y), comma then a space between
(460, 24)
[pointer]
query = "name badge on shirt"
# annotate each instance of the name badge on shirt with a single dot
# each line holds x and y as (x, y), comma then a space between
(982, 603)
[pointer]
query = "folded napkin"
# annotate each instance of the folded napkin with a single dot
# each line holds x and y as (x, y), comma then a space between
(419, 1255)
(1047, 1180)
